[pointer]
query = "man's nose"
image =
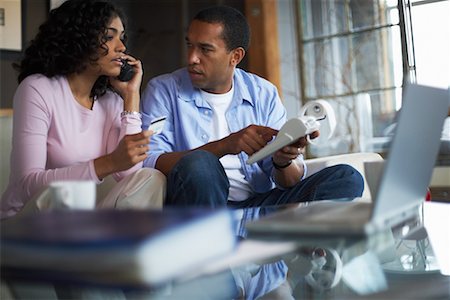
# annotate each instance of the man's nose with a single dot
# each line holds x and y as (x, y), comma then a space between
(193, 58)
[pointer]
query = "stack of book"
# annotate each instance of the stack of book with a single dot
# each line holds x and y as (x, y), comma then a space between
(120, 247)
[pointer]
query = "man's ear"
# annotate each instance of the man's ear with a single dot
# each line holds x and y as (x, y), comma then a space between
(237, 56)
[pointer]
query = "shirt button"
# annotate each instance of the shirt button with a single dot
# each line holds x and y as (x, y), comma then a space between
(206, 112)
(204, 137)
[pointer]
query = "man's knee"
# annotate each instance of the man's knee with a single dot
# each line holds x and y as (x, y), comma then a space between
(335, 182)
(199, 164)
(198, 179)
(352, 177)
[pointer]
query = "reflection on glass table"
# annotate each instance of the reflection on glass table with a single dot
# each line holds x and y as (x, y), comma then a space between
(343, 269)
(326, 268)
(353, 268)
(414, 254)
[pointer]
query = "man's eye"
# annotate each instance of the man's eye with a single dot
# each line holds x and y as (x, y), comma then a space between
(206, 50)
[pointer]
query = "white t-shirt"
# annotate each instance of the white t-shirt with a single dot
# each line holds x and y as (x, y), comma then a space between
(239, 187)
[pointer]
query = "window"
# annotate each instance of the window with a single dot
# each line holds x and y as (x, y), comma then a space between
(431, 33)
(353, 53)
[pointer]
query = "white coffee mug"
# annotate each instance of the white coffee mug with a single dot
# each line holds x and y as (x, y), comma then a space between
(72, 194)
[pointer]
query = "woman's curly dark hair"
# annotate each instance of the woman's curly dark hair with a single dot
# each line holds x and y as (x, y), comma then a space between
(69, 40)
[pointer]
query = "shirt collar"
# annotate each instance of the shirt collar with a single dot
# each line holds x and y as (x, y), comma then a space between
(241, 88)
(188, 93)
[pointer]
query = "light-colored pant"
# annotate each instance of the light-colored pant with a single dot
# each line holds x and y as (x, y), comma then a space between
(144, 189)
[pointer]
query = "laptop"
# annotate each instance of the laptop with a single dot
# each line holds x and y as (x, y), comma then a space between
(402, 187)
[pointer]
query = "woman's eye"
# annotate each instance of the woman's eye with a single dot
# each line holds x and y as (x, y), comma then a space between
(109, 37)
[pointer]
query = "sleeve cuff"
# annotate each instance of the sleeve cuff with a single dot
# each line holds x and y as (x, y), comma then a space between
(132, 123)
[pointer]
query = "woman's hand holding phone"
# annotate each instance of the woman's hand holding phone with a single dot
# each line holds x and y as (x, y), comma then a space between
(126, 71)
(128, 83)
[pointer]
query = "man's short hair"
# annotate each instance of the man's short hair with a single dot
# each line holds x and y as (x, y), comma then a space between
(236, 31)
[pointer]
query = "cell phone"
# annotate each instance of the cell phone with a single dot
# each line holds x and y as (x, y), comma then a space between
(157, 125)
(126, 71)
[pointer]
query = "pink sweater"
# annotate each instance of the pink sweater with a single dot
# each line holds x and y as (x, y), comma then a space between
(55, 138)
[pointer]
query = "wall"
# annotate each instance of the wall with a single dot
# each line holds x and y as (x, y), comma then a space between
(156, 30)
(34, 13)
(5, 149)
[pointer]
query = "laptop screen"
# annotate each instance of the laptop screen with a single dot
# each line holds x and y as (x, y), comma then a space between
(413, 151)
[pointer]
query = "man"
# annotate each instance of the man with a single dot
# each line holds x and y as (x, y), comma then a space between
(218, 115)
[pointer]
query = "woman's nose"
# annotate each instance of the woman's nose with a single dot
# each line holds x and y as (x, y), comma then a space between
(120, 47)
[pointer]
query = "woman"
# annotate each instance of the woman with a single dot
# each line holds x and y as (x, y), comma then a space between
(73, 119)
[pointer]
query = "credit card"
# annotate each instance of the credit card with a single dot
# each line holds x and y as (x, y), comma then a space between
(157, 125)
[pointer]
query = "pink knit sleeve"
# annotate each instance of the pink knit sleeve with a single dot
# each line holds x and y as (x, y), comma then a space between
(31, 122)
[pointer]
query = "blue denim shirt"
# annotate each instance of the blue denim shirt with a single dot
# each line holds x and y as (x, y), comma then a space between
(189, 117)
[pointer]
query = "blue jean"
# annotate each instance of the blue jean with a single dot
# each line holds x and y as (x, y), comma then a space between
(198, 179)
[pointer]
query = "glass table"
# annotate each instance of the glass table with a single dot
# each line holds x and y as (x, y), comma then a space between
(397, 263)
